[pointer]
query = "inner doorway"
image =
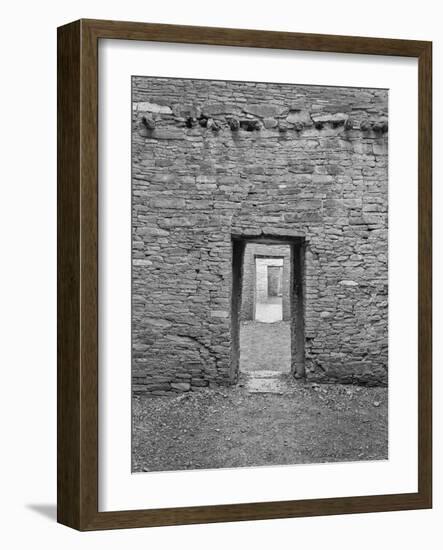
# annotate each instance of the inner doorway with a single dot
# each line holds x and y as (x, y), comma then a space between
(268, 295)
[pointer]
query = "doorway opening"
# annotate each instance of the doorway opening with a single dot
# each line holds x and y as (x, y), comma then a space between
(267, 318)
(268, 296)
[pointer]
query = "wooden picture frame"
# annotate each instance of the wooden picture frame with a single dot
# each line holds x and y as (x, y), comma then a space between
(78, 274)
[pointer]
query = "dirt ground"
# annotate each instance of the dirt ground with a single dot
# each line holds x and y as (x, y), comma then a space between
(265, 346)
(213, 428)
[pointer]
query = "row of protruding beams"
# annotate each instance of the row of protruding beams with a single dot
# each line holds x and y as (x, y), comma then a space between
(381, 126)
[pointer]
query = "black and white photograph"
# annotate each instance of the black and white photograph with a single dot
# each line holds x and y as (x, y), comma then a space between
(218, 292)
(259, 274)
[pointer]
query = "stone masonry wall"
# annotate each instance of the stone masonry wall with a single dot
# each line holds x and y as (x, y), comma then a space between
(249, 276)
(213, 159)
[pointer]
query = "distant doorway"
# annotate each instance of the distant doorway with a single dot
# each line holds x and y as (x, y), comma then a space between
(275, 273)
(268, 288)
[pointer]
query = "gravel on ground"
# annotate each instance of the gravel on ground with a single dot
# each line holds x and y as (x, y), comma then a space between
(229, 427)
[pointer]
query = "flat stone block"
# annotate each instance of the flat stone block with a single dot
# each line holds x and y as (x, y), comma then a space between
(146, 106)
(168, 203)
(221, 314)
(181, 386)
